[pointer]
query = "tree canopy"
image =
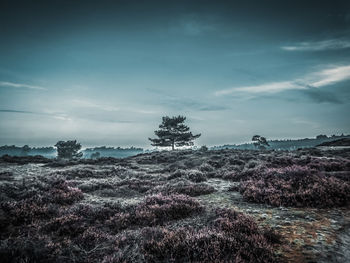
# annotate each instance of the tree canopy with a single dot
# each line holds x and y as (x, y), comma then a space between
(68, 149)
(173, 132)
(260, 142)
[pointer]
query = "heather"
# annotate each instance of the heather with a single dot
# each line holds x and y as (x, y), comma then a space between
(180, 206)
(229, 237)
(155, 210)
(298, 186)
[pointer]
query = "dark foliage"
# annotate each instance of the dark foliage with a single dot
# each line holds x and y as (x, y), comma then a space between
(68, 149)
(196, 176)
(155, 210)
(297, 186)
(230, 237)
(24, 159)
(173, 132)
(184, 187)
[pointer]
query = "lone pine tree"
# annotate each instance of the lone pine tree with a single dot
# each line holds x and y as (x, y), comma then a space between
(173, 132)
(68, 149)
(260, 142)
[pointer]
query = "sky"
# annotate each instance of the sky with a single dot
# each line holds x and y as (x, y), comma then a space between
(105, 72)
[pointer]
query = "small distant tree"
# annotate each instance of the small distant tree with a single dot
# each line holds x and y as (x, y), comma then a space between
(173, 132)
(260, 142)
(68, 149)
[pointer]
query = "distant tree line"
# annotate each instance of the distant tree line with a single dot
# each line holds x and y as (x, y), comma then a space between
(172, 133)
(286, 144)
(26, 150)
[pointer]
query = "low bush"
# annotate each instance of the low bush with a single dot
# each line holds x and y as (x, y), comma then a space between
(196, 176)
(25, 249)
(184, 187)
(138, 185)
(24, 159)
(6, 175)
(177, 174)
(154, 210)
(231, 237)
(62, 193)
(297, 186)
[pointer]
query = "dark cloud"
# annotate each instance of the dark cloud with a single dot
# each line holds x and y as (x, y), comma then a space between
(17, 111)
(321, 96)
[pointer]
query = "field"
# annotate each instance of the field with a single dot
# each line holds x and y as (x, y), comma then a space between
(180, 206)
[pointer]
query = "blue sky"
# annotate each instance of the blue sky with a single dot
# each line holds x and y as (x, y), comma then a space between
(105, 72)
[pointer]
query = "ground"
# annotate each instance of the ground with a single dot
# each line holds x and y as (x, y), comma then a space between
(131, 209)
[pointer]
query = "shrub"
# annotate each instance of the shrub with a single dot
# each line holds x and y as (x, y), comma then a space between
(177, 174)
(41, 203)
(24, 159)
(25, 249)
(205, 167)
(204, 148)
(61, 193)
(186, 188)
(95, 215)
(196, 176)
(6, 175)
(27, 211)
(154, 210)
(138, 185)
(231, 237)
(66, 225)
(91, 237)
(297, 186)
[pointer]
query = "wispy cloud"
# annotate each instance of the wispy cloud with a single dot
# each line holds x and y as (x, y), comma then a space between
(59, 116)
(20, 85)
(330, 76)
(91, 104)
(69, 117)
(320, 96)
(17, 111)
(271, 87)
(317, 79)
(330, 44)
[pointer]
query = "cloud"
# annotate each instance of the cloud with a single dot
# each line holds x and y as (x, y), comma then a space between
(330, 44)
(213, 108)
(320, 96)
(18, 111)
(330, 76)
(20, 85)
(65, 117)
(271, 87)
(91, 104)
(58, 116)
(314, 80)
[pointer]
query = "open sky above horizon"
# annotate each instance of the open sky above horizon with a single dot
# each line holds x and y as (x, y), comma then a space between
(105, 72)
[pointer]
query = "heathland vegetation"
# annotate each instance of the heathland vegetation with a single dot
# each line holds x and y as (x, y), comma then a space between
(175, 206)
(202, 205)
